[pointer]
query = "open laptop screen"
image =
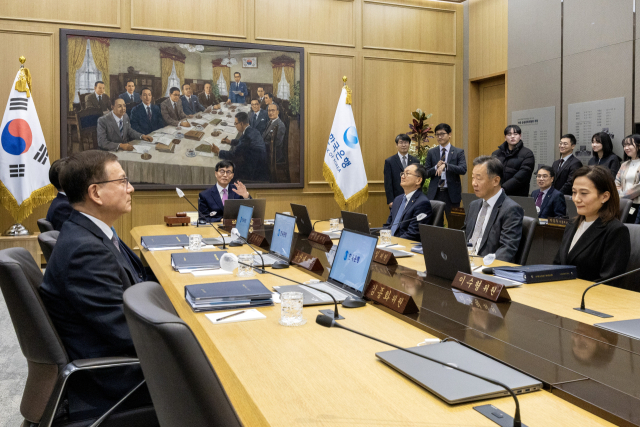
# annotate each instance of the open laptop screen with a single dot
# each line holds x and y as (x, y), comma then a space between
(283, 234)
(352, 260)
(244, 220)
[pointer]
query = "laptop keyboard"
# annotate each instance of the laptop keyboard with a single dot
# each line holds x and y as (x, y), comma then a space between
(327, 288)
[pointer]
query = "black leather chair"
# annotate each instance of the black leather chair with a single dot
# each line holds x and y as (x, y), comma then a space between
(183, 385)
(49, 368)
(47, 241)
(632, 281)
(437, 213)
(625, 206)
(528, 230)
(44, 225)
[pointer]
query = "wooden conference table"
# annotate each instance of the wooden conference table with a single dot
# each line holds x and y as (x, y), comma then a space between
(312, 375)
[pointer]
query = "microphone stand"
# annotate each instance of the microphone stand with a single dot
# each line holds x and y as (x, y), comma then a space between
(314, 224)
(328, 322)
(597, 313)
(182, 196)
(254, 249)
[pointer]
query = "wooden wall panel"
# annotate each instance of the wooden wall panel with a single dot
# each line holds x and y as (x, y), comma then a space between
(388, 26)
(103, 13)
(327, 22)
(226, 18)
(488, 35)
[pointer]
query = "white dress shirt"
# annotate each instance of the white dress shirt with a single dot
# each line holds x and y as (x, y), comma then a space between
(492, 202)
(220, 188)
(584, 226)
(101, 225)
(406, 157)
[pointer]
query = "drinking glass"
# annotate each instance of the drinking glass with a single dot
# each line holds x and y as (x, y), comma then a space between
(245, 270)
(195, 242)
(291, 309)
(385, 237)
(334, 224)
(472, 253)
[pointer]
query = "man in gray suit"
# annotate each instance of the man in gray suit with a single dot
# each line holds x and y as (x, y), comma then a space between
(115, 131)
(171, 109)
(273, 135)
(494, 221)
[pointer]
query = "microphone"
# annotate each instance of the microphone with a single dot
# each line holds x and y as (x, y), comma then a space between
(182, 196)
(597, 313)
(420, 217)
(328, 322)
(314, 224)
(229, 262)
(235, 233)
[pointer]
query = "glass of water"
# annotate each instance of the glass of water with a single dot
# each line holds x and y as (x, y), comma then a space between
(195, 242)
(245, 265)
(385, 237)
(291, 309)
(472, 253)
(334, 224)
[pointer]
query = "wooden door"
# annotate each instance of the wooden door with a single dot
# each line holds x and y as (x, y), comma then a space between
(492, 117)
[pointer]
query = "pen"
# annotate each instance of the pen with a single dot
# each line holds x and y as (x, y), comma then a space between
(231, 315)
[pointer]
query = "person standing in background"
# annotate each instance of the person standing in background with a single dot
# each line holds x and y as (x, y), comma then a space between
(566, 165)
(518, 162)
(628, 177)
(395, 165)
(603, 154)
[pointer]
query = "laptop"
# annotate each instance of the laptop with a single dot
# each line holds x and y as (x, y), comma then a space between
(349, 271)
(243, 222)
(303, 221)
(281, 240)
(445, 254)
(629, 328)
(467, 198)
(528, 204)
(358, 222)
(232, 206)
(454, 386)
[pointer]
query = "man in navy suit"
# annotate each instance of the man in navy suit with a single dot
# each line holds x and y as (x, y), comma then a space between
(409, 205)
(258, 119)
(211, 201)
(190, 103)
(60, 209)
(445, 165)
(550, 202)
(566, 165)
(130, 95)
(146, 117)
(395, 165)
(237, 86)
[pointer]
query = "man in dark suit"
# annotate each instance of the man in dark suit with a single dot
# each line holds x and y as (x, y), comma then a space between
(240, 88)
(208, 98)
(445, 165)
(130, 95)
(146, 117)
(494, 222)
(409, 205)
(87, 276)
(395, 165)
(190, 104)
(274, 133)
(566, 165)
(211, 201)
(98, 99)
(60, 209)
(550, 202)
(115, 131)
(171, 109)
(248, 152)
(260, 98)
(258, 118)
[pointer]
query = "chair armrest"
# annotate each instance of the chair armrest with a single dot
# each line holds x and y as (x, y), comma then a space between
(103, 362)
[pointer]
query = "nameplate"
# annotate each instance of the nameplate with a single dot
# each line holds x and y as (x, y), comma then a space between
(384, 257)
(457, 210)
(323, 248)
(559, 221)
(483, 288)
(306, 261)
(176, 220)
(255, 222)
(392, 298)
(323, 239)
(480, 304)
(257, 240)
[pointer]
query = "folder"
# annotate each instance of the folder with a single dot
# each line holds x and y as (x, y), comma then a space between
(156, 242)
(537, 273)
(196, 260)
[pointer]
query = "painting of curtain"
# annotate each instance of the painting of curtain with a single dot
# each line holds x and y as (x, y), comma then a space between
(219, 69)
(171, 57)
(283, 65)
(100, 52)
(75, 53)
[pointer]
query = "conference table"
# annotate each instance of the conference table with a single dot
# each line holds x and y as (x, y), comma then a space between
(311, 375)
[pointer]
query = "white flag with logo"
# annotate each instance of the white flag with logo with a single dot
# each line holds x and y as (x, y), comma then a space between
(343, 166)
(24, 159)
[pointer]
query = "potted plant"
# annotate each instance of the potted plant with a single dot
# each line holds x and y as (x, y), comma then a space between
(420, 133)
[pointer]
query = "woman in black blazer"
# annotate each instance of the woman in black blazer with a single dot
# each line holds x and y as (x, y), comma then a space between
(603, 154)
(596, 242)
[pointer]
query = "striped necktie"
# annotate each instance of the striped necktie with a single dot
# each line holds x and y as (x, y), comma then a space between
(121, 126)
(398, 217)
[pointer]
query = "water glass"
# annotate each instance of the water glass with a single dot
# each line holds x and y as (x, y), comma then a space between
(334, 224)
(291, 309)
(195, 242)
(472, 253)
(245, 263)
(385, 237)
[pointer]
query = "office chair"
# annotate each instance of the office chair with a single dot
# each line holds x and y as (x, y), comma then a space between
(528, 230)
(632, 282)
(437, 213)
(44, 225)
(183, 385)
(47, 241)
(625, 206)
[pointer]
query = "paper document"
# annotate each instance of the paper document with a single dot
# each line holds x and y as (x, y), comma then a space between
(218, 272)
(389, 246)
(164, 139)
(251, 314)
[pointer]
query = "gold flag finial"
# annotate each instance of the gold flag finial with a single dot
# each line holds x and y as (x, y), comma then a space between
(24, 78)
(348, 100)
(22, 60)
(344, 79)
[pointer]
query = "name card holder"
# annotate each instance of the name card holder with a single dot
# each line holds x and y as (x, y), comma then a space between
(258, 240)
(181, 218)
(323, 248)
(392, 298)
(559, 221)
(307, 261)
(483, 288)
(384, 257)
(323, 239)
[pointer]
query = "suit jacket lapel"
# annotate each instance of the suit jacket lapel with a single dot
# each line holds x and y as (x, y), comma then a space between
(473, 213)
(399, 163)
(216, 195)
(584, 242)
(492, 218)
(413, 198)
(546, 199)
(112, 121)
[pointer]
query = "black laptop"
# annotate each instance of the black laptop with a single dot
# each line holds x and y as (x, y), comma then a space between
(303, 221)
(356, 222)
(232, 206)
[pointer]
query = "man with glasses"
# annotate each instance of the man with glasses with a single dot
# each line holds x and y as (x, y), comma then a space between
(566, 165)
(518, 162)
(445, 165)
(395, 165)
(211, 201)
(86, 278)
(115, 131)
(550, 202)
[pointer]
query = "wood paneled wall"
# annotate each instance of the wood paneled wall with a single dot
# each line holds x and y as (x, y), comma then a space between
(488, 35)
(398, 55)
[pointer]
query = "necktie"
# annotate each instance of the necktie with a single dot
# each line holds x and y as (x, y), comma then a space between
(477, 231)
(396, 220)
(121, 126)
(444, 159)
(114, 239)
(539, 199)
(191, 104)
(99, 98)
(224, 196)
(207, 97)
(131, 97)
(561, 163)
(149, 112)
(404, 162)
(175, 108)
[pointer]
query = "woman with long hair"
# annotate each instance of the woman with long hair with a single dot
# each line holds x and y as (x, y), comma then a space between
(628, 177)
(603, 154)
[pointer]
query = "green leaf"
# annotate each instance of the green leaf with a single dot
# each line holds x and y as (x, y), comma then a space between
(414, 114)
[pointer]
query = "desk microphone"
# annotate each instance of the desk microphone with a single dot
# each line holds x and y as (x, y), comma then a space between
(235, 233)
(597, 313)
(314, 224)
(328, 322)
(420, 217)
(182, 196)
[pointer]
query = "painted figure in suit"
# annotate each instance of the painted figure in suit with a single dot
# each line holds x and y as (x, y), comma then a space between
(208, 98)
(550, 202)
(115, 131)
(409, 205)
(87, 276)
(171, 109)
(596, 242)
(190, 103)
(273, 135)
(494, 222)
(445, 165)
(518, 162)
(237, 86)
(603, 154)
(258, 118)
(566, 165)
(60, 209)
(146, 117)
(98, 99)
(130, 95)
(248, 152)
(395, 165)
(211, 201)
(260, 98)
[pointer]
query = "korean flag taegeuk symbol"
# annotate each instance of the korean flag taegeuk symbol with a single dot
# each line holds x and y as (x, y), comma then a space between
(16, 137)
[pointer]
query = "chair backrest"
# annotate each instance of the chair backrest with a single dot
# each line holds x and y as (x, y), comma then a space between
(632, 281)
(47, 241)
(20, 279)
(625, 206)
(88, 118)
(437, 213)
(528, 230)
(44, 225)
(82, 97)
(184, 387)
(161, 100)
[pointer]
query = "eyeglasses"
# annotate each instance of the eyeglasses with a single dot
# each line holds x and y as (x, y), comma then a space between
(224, 172)
(125, 180)
(441, 134)
(408, 174)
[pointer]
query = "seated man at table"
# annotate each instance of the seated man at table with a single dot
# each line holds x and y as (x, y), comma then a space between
(550, 202)
(146, 117)
(98, 99)
(493, 224)
(258, 118)
(60, 209)
(208, 98)
(190, 104)
(248, 152)
(171, 109)
(86, 278)
(211, 201)
(130, 95)
(115, 131)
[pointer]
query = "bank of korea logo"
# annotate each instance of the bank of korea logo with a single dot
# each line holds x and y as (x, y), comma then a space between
(351, 137)
(16, 137)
